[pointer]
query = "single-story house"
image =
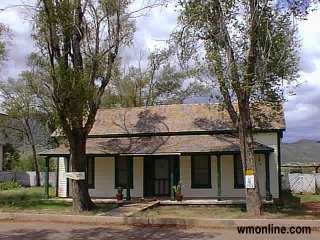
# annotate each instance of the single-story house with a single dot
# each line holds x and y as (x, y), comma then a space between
(151, 148)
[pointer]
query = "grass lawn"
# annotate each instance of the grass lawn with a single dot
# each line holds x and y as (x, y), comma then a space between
(31, 200)
(308, 197)
(290, 209)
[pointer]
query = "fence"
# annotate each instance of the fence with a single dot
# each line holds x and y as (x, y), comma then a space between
(27, 178)
(301, 183)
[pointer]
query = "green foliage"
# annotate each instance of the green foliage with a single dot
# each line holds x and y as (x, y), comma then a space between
(155, 80)
(81, 54)
(10, 157)
(221, 28)
(25, 163)
(9, 185)
(177, 188)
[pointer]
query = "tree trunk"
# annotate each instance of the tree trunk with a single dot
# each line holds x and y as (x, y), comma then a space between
(253, 199)
(36, 165)
(80, 194)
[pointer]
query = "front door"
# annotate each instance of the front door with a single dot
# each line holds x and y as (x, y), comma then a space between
(157, 174)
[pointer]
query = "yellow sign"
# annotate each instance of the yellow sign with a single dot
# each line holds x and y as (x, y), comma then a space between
(249, 172)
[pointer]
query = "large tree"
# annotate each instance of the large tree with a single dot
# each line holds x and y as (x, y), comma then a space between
(24, 119)
(155, 79)
(251, 49)
(81, 39)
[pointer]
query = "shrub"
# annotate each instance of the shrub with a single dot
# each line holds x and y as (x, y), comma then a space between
(9, 185)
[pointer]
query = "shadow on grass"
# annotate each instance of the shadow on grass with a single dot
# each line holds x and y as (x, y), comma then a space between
(32, 199)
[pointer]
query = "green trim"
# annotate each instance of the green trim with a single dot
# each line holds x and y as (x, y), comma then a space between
(68, 180)
(228, 152)
(219, 175)
(130, 159)
(46, 178)
(235, 173)
(171, 170)
(195, 185)
(93, 160)
(279, 136)
(148, 134)
(267, 169)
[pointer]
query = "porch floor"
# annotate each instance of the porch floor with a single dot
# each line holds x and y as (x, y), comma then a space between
(167, 201)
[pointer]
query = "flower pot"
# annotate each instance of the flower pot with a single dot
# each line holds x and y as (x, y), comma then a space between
(179, 197)
(119, 196)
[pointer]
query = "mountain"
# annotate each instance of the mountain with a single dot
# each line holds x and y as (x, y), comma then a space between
(303, 152)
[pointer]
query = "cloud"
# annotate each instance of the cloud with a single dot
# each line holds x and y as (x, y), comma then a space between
(302, 110)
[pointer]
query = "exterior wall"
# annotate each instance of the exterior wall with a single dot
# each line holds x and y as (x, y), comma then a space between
(105, 178)
(1, 157)
(227, 178)
(271, 140)
(185, 178)
(62, 180)
(227, 174)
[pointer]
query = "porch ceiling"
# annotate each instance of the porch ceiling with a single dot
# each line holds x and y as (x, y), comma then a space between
(154, 145)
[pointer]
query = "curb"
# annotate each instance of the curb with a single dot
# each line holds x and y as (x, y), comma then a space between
(173, 222)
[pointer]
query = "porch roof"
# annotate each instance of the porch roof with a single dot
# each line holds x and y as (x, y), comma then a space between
(155, 145)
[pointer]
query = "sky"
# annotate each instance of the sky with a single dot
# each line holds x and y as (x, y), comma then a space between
(302, 110)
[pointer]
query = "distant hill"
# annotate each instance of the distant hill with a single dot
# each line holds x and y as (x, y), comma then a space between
(302, 151)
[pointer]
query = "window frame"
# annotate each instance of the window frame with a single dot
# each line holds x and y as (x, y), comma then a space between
(93, 160)
(235, 171)
(116, 184)
(193, 183)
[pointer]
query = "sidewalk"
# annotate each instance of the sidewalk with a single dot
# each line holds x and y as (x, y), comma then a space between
(177, 222)
(130, 209)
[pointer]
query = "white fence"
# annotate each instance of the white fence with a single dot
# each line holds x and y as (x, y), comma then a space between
(27, 178)
(301, 183)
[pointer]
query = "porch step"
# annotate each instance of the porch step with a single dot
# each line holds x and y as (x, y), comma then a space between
(130, 209)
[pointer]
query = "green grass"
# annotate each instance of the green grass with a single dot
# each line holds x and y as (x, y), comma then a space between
(32, 200)
(308, 197)
(289, 209)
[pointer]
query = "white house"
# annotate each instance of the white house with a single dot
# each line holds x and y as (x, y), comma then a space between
(151, 148)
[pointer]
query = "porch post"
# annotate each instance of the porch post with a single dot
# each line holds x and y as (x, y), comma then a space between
(268, 194)
(171, 179)
(46, 178)
(219, 176)
(129, 178)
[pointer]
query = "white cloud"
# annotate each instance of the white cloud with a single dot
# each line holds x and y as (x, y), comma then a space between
(302, 110)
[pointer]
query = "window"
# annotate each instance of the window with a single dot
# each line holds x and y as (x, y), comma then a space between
(90, 172)
(123, 168)
(238, 172)
(200, 171)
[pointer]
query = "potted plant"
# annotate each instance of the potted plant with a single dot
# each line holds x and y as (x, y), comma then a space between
(120, 194)
(178, 191)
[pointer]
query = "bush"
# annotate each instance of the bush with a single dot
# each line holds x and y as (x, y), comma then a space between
(9, 185)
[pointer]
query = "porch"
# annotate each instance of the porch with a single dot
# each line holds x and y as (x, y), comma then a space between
(209, 167)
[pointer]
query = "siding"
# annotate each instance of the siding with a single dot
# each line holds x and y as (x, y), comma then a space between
(227, 178)
(62, 185)
(105, 179)
(270, 139)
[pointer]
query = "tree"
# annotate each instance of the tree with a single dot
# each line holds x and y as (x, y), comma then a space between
(156, 79)
(81, 41)
(251, 49)
(3, 41)
(24, 120)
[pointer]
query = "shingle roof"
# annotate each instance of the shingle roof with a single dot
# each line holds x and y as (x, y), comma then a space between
(160, 145)
(177, 118)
